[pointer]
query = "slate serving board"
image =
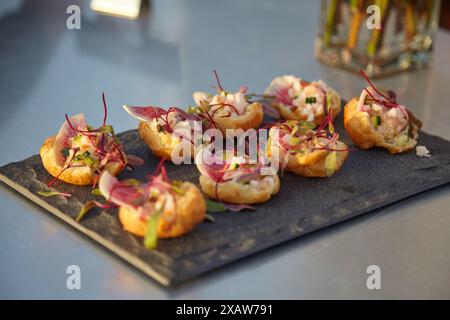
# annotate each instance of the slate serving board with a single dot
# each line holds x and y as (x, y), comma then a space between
(368, 180)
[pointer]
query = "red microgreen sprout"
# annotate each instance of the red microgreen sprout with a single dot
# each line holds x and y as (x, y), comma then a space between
(219, 85)
(389, 101)
(105, 109)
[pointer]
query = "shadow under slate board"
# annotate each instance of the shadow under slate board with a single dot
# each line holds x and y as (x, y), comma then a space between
(368, 180)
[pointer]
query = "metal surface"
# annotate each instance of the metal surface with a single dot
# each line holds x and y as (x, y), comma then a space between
(48, 70)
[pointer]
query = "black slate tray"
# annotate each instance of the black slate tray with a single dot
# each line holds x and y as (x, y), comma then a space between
(368, 180)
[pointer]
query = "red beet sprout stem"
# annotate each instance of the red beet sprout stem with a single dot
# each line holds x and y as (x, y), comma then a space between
(105, 116)
(218, 81)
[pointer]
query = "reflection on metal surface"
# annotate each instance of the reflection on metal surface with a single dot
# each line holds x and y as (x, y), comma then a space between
(123, 8)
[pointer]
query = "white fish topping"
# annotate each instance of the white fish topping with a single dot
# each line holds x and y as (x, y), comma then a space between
(376, 107)
(237, 100)
(422, 151)
(284, 82)
(201, 96)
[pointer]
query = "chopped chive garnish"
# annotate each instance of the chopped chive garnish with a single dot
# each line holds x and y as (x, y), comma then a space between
(65, 152)
(132, 182)
(310, 100)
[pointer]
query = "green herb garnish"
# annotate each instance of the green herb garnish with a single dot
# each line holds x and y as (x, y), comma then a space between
(65, 152)
(192, 109)
(151, 236)
(234, 166)
(132, 182)
(212, 206)
(176, 187)
(77, 138)
(106, 129)
(86, 158)
(53, 193)
(96, 192)
(331, 163)
(310, 100)
(294, 141)
(89, 161)
(82, 156)
(87, 206)
(376, 121)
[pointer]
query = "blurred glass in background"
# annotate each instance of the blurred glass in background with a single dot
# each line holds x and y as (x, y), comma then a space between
(379, 36)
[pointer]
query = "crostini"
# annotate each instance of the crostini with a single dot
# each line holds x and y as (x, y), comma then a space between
(160, 128)
(78, 154)
(297, 147)
(233, 179)
(157, 209)
(296, 99)
(229, 110)
(375, 119)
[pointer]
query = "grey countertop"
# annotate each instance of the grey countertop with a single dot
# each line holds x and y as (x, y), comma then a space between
(161, 58)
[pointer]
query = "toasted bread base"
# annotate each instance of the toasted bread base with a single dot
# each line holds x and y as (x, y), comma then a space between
(191, 209)
(159, 142)
(251, 119)
(365, 136)
(313, 165)
(287, 114)
(239, 193)
(78, 175)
